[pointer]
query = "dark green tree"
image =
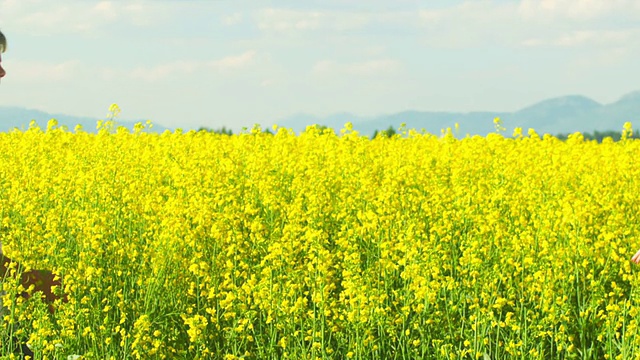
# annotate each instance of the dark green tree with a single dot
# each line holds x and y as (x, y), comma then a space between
(222, 131)
(390, 132)
(601, 135)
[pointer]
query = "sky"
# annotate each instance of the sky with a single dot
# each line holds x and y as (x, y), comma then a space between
(235, 63)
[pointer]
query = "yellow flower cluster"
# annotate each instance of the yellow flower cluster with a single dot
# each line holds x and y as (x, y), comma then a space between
(323, 245)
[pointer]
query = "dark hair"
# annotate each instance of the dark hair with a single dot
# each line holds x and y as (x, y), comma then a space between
(3, 43)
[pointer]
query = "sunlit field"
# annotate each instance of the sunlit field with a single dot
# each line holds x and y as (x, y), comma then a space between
(323, 245)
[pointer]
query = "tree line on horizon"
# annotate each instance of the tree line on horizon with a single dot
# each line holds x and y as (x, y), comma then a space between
(599, 136)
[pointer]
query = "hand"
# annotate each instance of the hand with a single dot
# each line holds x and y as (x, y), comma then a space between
(636, 258)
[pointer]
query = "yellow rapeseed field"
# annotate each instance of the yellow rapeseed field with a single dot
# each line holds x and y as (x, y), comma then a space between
(323, 245)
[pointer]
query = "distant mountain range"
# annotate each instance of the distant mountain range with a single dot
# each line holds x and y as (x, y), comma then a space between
(560, 115)
(12, 117)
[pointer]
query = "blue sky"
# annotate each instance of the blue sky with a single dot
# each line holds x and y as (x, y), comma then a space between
(185, 63)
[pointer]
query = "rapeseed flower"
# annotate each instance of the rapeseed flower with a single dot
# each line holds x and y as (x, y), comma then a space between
(323, 244)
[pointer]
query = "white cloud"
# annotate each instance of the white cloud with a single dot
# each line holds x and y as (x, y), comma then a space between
(575, 9)
(41, 17)
(187, 67)
(232, 19)
(578, 38)
(56, 20)
(162, 71)
(106, 9)
(147, 13)
(371, 67)
(267, 82)
(40, 71)
(469, 13)
(530, 23)
(469, 24)
(590, 38)
(297, 20)
(284, 20)
(233, 62)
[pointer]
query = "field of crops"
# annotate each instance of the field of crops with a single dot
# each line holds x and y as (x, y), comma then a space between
(323, 245)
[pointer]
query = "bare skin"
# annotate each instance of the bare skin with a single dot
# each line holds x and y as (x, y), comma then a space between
(636, 258)
(2, 72)
(42, 280)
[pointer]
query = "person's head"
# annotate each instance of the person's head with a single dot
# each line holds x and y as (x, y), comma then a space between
(3, 47)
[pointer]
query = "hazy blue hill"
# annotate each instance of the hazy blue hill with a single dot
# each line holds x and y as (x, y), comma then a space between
(565, 106)
(17, 117)
(433, 122)
(621, 111)
(565, 114)
(633, 96)
(562, 114)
